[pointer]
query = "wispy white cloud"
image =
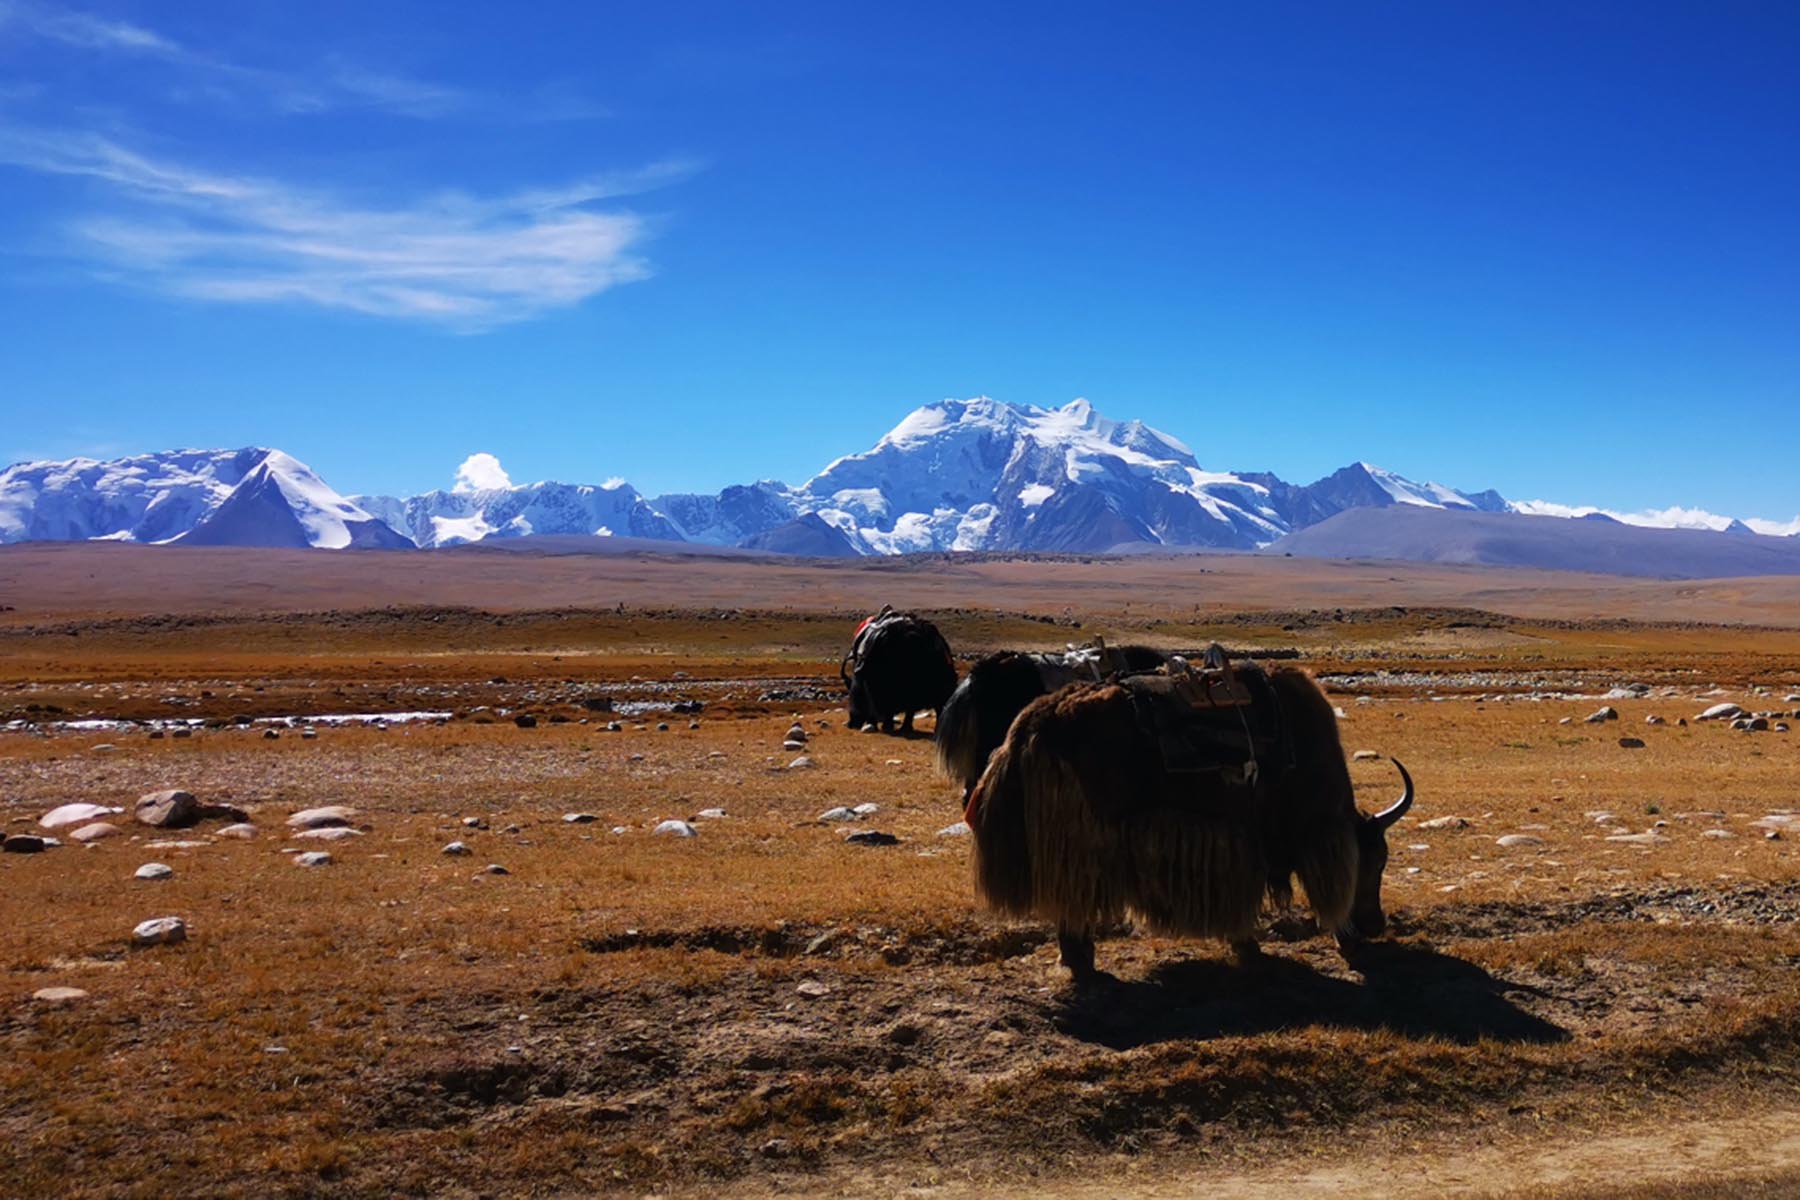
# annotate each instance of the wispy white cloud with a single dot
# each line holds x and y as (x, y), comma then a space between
(465, 262)
(1675, 517)
(333, 85)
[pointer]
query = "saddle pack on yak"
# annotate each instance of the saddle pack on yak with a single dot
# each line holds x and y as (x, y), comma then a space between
(1213, 719)
(897, 665)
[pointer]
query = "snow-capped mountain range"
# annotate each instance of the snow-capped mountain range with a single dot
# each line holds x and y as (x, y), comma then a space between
(958, 475)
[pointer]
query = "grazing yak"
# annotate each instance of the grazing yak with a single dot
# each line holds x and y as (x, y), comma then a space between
(981, 709)
(1183, 800)
(898, 664)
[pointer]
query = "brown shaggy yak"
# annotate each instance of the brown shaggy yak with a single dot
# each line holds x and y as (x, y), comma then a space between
(1080, 819)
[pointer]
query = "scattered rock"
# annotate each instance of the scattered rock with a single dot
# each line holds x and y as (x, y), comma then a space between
(1365, 756)
(493, 869)
(155, 870)
(313, 858)
(76, 814)
(1639, 839)
(840, 813)
(793, 744)
(710, 814)
(331, 833)
(662, 727)
(270, 735)
(1759, 724)
(1631, 743)
(613, 727)
(621, 829)
(812, 989)
(172, 809)
(1718, 834)
(455, 849)
(329, 817)
(308, 734)
(1566, 721)
(579, 818)
(183, 732)
(525, 721)
(676, 829)
(796, 733)
(98, 831)
(58, 995)
(160, 931)
(1720, 712)
(1781, 727)
(102, 748)
(24, 843)
(242, 831)
(1512, 840)
(800, 764)
(864, 810)
(1653, 719)
(960, 829)
(775, 1148)
(872, 837)
(1444, 823)
(1605, 713)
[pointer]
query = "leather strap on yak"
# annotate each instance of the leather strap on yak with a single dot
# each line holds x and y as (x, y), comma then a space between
(1212, 720)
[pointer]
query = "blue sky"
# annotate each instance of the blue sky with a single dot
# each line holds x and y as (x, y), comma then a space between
(1551, 248)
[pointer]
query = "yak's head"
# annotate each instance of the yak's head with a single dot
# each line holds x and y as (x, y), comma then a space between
(862, 709)
(1366, 918)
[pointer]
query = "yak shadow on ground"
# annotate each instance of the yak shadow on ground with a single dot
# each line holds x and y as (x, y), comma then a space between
(1411, 990)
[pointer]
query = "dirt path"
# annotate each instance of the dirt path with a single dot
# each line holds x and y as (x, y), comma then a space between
(1736, 1152)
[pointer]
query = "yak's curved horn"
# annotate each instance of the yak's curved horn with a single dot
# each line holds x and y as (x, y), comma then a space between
(1397, 809)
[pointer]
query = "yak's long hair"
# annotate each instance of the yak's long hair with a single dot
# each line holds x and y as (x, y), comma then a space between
(975, 719)
(1076, 821)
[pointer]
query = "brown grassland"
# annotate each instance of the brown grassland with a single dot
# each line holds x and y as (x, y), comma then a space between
(764, 1008)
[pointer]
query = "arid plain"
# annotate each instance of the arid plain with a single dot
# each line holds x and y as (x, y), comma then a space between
(1606, 1005)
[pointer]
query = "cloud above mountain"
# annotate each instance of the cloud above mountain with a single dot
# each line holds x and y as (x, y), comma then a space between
(480, 473)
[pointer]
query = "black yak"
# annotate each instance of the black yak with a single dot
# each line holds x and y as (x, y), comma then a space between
(974, 721)
(1118, 798)
(898, 664)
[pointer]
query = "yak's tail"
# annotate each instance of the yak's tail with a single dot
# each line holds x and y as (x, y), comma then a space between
(997, 818)
(957, 739)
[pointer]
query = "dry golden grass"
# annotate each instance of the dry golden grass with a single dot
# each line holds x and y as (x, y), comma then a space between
(623, 1011)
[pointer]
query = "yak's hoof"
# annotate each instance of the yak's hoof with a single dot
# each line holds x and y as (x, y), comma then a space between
(1349, 942)
(1247, 952)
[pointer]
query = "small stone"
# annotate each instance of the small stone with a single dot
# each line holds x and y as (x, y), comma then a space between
(1781, 727)
(1759, 724)
(693, 724)
(1639, 839)
(662, 727)
(1365, 756)
(160, 931)
(1444, 823)
(243, 831)
(525, 721)
(1653, 719)
(330, 816)
(98, 831)
(812, 989)
(171, 809)
(1772, 835)
(840, 813)
(676, 829)
(58, 995)
(494, 869)
(102, 748)
(1566, 721)
(613, 727)
(455, 849)
(710, 814)
(308, 734)
(1720, 712)
(960, 829)
(155, 870)
(775, 1148)
(864, 810)
(579, 818)
(872, 837)
(792, 744)
(1631, 743)
(1518, 839)
(1718, 834)
(474, 823)
(313, 858)
(270, 735)
(24, 843)
(182, 732)
(76, 814)
(331, 833)
(621, 829)
(800, 764)
(1604, 713)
